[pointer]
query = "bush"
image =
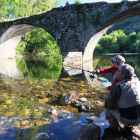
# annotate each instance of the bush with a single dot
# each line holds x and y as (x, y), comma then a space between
(138, 46)
(98, 49)
(115, 48)
(77, 2)
(133, 37)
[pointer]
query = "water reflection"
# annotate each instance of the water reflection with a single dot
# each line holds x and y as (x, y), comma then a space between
(39, 84)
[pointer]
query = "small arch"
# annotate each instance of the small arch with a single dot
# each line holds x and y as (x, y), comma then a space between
(10, 38)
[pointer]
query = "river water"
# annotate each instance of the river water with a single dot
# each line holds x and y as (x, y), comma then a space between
(29, 86)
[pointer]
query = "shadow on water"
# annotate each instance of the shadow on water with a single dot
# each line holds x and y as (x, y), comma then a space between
(30, 86)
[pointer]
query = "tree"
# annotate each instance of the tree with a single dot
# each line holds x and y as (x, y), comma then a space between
(35, 41)
(122, 41)
(23, 8)
(77, 2)
(3, 10)
(98, 49)
(115, 48)
(137, 46)
(107, 41)
(133, 37)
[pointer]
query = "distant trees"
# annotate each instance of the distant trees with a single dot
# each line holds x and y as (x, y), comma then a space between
(39, 42)
(3, 9)
(23, 8)
(36, 41)
(118, 42)
(77, 2)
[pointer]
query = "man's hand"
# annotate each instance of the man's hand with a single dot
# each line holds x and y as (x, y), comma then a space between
(105, 97)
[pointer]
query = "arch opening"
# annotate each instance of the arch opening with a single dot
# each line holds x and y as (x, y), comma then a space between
(21, 35)
(102, 29)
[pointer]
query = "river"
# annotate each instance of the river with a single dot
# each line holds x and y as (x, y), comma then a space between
(31, 85)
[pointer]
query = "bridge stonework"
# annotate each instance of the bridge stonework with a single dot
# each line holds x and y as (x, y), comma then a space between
(76, 28)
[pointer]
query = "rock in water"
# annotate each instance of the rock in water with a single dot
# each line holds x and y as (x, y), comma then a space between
(83, 99)
(75, 102)
(51, 111)
(68, 98)
(85, 107)
(42, 136)
(88, 132)
(98, 103)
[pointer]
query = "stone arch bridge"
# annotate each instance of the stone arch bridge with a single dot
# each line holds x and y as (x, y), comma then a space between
(76, 28)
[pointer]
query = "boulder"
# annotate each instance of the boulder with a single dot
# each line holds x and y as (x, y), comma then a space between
(83, 99)
(97, 103)
(68, 98)
(75, 102)
(88, 132)
(85, 107)
(42, 136)
(51, 111)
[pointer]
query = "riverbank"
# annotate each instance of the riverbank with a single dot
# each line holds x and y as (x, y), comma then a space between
(121, 54)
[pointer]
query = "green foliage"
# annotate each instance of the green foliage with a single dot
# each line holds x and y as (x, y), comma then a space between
(40, 68)
(121, 41)
(39, 42)
(3, 10)
(137, 43)
(118, 42)
(23, 8)
(114, 48)
(77, 2)
(133, 37)
(35, 41)
(99, 49)
(107, 41)
(96, 18)
(21, 47)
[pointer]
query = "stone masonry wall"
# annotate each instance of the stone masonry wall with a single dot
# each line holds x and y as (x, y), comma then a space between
(73, 27)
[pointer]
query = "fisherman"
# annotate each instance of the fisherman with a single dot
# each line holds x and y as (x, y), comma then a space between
(123, 103)
(116, 61)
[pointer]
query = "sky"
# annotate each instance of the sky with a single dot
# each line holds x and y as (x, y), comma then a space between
(86, 1)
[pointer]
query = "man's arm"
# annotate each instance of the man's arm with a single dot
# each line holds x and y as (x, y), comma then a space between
(111, 101)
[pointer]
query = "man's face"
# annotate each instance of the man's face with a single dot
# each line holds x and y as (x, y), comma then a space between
(119, 73)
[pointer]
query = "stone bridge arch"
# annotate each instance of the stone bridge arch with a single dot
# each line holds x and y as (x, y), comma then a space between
(11, 37)
(75, 28)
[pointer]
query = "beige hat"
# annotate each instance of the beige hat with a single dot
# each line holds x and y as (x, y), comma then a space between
(117, 59)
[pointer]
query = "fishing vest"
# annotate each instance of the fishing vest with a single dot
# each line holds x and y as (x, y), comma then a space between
(130, 93)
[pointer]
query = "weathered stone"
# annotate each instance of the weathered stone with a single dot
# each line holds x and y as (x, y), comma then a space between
(42, 136)
(68, 98)
(83, 99)
(85, 107)
(88, 132)
(51, 111)
(75, 28)
(75, 102)
(98, 103)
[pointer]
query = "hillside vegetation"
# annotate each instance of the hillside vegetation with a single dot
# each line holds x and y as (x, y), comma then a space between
(124, 37)
(129, 25)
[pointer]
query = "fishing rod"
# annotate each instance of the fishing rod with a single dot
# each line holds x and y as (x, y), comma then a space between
(72, 67)
(78, 68)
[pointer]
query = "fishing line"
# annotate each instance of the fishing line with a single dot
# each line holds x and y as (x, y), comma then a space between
(70, 67)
